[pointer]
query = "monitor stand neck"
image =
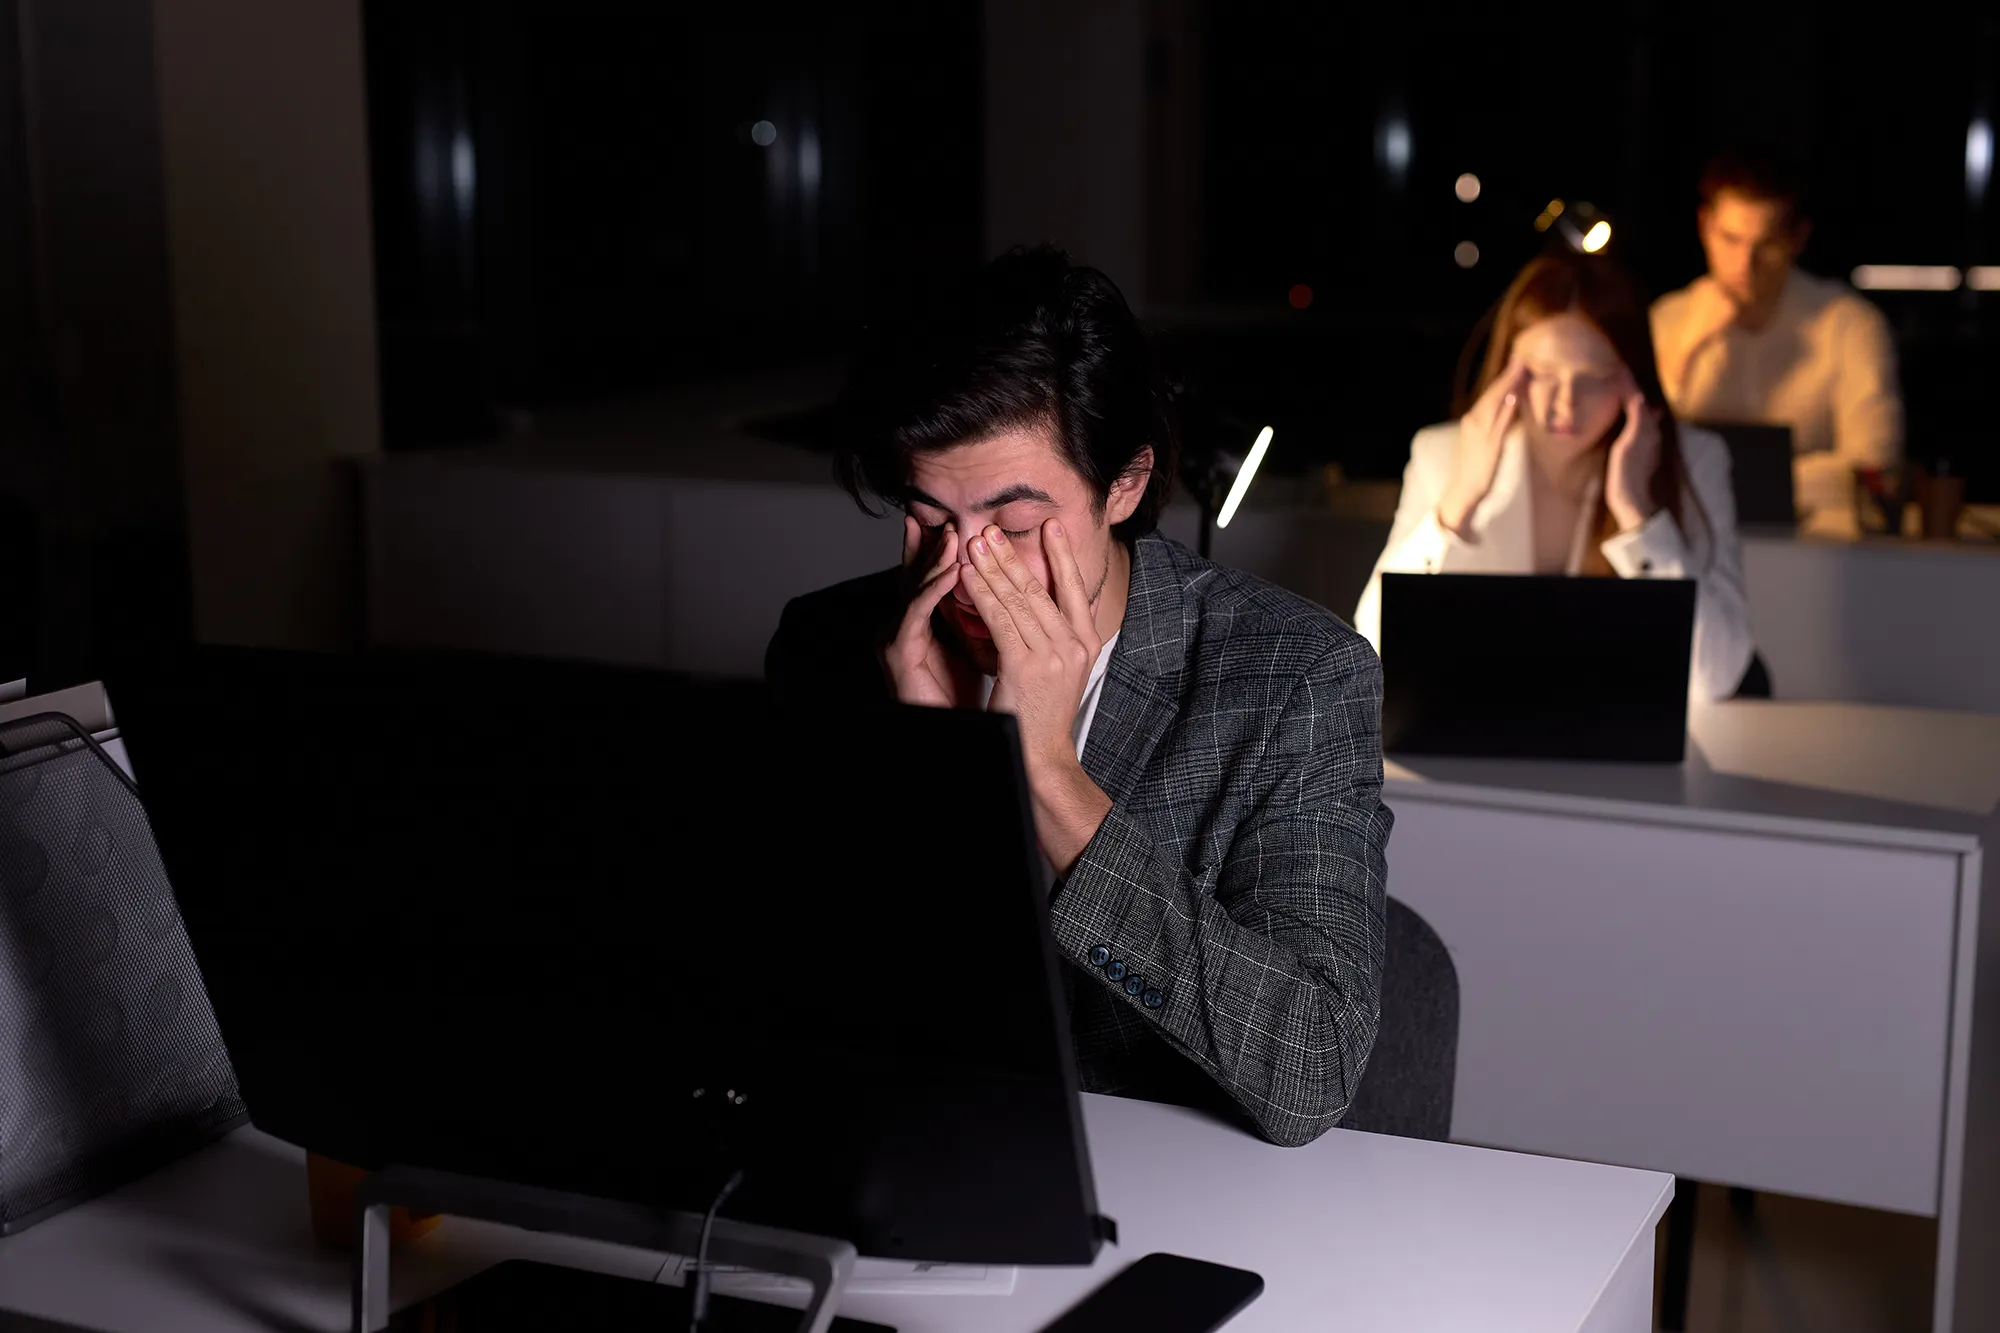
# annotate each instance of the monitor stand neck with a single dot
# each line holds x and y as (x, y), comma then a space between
(822, 1261)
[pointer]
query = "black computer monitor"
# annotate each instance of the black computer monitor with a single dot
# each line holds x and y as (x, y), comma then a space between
(1760, 469)
(1536, 667)
(506, 918)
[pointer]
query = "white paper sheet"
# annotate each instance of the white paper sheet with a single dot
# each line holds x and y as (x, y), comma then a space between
(872, 1277)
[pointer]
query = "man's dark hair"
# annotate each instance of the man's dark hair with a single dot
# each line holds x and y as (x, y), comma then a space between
(1030, 339)
(1756, 173)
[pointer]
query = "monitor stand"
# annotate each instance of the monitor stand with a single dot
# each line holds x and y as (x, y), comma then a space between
(822, 1261)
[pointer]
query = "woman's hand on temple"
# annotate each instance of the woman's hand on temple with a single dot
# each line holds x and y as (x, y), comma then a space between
(1635, 457)
(1482, 433)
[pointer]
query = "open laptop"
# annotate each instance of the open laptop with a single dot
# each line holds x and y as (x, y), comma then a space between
(1536, 667)
(1760, 465)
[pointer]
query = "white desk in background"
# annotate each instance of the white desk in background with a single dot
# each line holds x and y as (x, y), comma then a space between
(668, 534)
(1840, 615)
(1768, 967)
(1356, 1232)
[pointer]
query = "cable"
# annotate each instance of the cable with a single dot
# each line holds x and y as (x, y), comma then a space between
(698, 1308)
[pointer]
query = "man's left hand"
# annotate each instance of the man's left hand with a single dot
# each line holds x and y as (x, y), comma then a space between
(1047, 646)
(1635, 456)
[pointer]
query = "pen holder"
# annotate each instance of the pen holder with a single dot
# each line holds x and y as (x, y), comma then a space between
(1879, 501)
(330, 1190)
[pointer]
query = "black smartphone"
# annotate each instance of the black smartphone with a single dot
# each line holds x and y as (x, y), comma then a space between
(1163, 1293)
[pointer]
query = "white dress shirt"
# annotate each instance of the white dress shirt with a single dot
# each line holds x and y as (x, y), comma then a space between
(1500, 539)
(1825, 366)
(1093, 688)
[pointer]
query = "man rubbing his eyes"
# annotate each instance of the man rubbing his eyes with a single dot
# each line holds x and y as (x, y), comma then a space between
(1203, 750)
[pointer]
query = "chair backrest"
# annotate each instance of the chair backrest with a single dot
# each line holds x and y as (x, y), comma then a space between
(110, 1060)
(1406, 1089)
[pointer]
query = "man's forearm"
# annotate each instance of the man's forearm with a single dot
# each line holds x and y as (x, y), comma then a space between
(1068, 808)
(1282, 1015)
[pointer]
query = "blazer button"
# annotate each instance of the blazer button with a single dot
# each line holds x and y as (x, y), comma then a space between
(1115, 970)
(1645, 566)
(1133, 985)
(1100, 956)
(1153, 999)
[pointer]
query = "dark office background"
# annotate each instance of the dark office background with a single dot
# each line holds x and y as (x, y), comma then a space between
(625, 231)
(582, 202)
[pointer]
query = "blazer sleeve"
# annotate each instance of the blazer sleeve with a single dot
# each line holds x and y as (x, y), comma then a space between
(1271, 984)
(1418, 543)
(1659, 549)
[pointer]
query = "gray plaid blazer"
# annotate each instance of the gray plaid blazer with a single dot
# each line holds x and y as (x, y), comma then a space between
(1225, 926)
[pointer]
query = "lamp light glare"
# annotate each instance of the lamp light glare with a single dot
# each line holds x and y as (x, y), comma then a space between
(1241, 486)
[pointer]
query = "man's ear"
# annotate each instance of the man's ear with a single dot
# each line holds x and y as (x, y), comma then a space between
(1801, 233)
(1130, 487)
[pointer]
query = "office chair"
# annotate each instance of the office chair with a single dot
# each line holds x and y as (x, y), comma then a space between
(1756, 682)
(119, 1067)
(1407, 1087)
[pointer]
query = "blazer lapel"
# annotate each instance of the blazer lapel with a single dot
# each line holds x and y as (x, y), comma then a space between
(1142, 683)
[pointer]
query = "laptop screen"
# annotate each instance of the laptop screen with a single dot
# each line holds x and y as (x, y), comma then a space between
(1535, 666)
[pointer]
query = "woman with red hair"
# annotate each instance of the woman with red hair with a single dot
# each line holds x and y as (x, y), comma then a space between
(1569, 461)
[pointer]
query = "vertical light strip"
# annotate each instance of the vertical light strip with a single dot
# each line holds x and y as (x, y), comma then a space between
(1978, 158)
(1241, 487)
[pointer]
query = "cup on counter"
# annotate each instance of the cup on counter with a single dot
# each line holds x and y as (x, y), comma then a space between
(1940, 500)
(330, 1189)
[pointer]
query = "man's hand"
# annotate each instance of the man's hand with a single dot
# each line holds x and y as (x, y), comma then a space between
(1047, 647)
(919, 668)
(1481, 436)
(1635, 456)
(1710, 310)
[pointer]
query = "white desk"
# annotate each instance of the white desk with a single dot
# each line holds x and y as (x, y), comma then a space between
(1878, 619)
(1768, 967)
(1357, 1231)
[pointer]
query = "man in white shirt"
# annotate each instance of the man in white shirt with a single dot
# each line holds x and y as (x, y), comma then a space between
(1203, 751)
(1756, 339)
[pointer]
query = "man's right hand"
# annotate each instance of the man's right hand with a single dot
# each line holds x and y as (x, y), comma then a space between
(919, 667)
(1710, 310)
(1481, 435)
